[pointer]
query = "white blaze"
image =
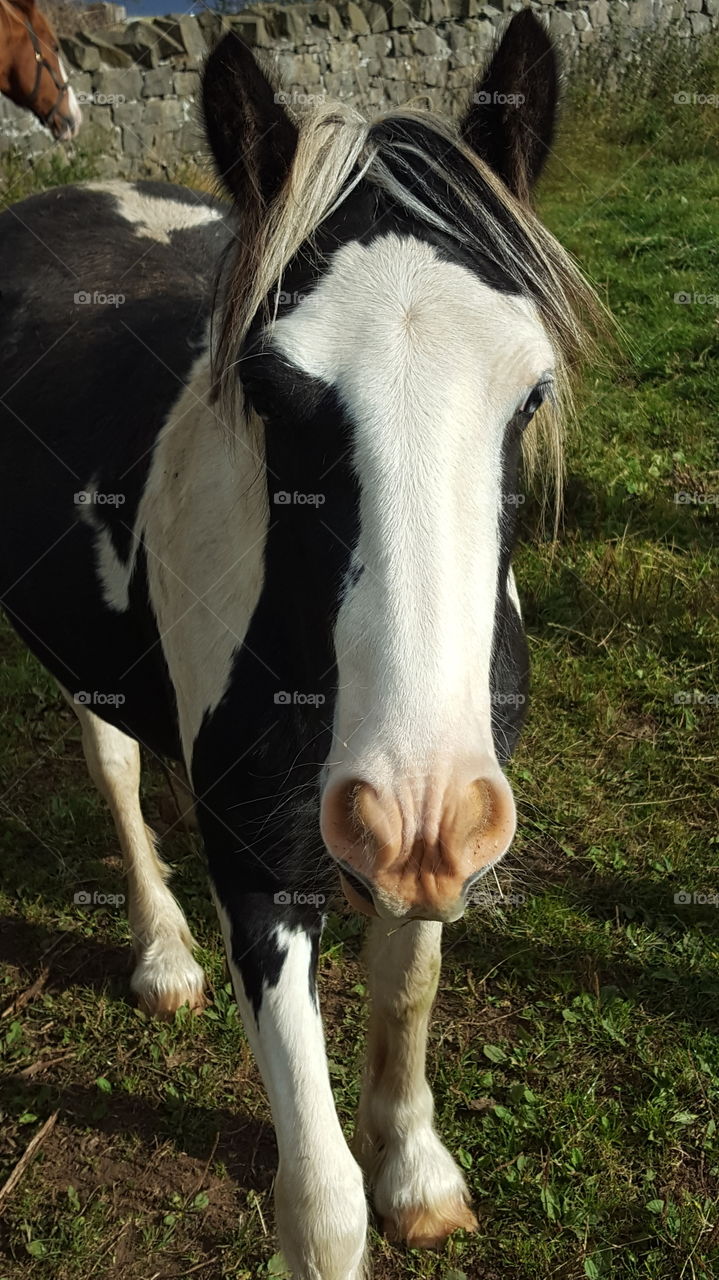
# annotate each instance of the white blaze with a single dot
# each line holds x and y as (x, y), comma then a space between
(430, 364)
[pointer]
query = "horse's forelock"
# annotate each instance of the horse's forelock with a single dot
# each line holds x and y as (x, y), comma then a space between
(425, 168)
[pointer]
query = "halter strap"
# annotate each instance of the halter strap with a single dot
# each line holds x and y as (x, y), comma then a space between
(41, 63)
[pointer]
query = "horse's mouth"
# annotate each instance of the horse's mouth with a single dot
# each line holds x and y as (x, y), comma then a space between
(357, 893)
(65, 130)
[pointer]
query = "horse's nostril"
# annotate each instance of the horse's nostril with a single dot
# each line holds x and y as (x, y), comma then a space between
(351, 814)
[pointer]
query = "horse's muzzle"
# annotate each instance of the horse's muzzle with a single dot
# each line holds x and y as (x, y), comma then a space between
(416, 858)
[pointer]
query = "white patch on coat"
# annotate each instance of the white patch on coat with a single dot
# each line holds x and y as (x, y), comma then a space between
(155, 217)
(320, 1205)
(513, 593)
(431, 364)
(203, 520)
(203, 517)
(114, 574)
(71, 107)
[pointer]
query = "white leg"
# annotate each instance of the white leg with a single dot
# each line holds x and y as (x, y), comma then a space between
(418, 1189)
(320, 1205)
(166, 976)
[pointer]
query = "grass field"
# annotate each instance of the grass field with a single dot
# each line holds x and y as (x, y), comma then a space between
(575, 1045)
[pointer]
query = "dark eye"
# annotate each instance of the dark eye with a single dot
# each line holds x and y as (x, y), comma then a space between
(260, 386)
(536, 399)
(259, 395)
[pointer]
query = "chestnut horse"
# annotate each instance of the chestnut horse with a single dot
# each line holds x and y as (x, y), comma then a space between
(31, 70)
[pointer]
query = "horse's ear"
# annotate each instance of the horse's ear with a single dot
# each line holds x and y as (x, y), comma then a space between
(511, 116)
(252, 138)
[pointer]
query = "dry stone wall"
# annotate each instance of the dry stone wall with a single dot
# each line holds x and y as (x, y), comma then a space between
(138, 81)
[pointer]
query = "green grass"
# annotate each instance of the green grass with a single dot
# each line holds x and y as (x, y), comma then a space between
(21, 176)
(575, 1047)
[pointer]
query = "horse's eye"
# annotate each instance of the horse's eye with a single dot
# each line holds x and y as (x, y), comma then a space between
(536, 399)
(260, 394)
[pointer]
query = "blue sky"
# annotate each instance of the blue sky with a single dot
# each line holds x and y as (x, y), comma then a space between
(151, 8)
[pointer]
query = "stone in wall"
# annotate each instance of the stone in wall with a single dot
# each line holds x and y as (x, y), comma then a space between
(138, 80)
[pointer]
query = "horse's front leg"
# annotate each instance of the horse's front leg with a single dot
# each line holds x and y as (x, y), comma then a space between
(418, 1189)
(320, 1204)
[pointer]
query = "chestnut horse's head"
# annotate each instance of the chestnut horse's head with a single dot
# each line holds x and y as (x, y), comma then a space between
(31, 70)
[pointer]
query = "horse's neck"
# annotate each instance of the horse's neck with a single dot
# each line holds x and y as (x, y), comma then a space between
(203, 518)
(9, 34)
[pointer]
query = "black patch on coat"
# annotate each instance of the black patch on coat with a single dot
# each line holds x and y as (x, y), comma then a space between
(86, 387)
(274, 722)
(256, 948)
(509, 670)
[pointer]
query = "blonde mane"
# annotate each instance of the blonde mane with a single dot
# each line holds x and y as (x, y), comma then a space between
(397, 152)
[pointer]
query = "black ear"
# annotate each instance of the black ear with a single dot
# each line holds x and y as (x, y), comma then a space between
(511, 116)
(252, 138)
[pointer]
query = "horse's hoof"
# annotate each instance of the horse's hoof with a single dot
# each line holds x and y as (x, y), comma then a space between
(165, 1004)
(165, 981)
(427, 1228)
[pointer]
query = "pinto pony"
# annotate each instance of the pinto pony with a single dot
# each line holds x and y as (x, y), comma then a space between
(31, 70)
(266, 529)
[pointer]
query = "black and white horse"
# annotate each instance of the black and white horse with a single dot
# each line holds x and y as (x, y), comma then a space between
(275, 543)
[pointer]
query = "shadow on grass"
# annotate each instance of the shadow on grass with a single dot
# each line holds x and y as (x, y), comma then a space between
(598, 513)
(70, 959)
(684, 986)
(245, 1145)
